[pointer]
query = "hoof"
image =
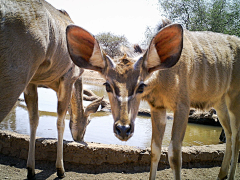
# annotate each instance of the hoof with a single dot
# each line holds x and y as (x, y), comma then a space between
(222, 178)
(31, 174)
(60, 173)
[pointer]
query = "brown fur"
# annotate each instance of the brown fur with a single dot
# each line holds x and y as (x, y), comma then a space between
(199, 69)
(124, 66)
(33, 52)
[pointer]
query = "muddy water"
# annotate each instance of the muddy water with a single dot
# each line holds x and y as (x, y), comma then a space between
(101, 127)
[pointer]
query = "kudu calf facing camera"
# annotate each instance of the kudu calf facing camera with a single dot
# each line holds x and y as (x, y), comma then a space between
(180, 69)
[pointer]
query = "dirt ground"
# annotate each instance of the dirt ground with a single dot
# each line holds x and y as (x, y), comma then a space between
(13, 168)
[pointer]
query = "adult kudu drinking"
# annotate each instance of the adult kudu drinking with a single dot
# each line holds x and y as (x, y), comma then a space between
(179, 69)
(33, 52)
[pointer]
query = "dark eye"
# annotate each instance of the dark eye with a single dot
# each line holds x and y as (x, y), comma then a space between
(140, 88)
(108, 87)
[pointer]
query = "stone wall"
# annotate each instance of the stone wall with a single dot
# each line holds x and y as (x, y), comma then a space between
(95, 157)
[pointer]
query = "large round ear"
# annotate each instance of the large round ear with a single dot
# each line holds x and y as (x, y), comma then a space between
(84, 49)
(165, 48)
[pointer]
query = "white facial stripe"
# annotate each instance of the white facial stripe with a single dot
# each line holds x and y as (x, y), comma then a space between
(124, 99)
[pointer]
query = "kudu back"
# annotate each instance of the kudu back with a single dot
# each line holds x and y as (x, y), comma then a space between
(180, 69)
(33, 52)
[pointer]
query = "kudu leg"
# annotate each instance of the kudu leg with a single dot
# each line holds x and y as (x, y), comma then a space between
(234, 112)
(158, 117)
(224, 119)
(31, 99)
(175, 147)
(64, 96)
(235, 154)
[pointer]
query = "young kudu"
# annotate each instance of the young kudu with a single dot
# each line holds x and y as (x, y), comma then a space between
(33, 52)
(180, 69)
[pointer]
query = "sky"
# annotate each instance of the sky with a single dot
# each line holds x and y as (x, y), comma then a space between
(120, 17)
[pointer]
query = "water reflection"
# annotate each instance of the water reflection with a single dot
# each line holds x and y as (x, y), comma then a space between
(197, 134)
(101, 127)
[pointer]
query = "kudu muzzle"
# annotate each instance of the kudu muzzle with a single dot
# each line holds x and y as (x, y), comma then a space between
(123, 128)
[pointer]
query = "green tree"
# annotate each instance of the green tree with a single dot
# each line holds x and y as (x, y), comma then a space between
(111, 43)
(225, 17)
(201, 15)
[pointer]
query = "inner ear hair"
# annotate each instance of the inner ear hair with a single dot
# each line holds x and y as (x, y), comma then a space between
(97, 56)
(165, 48)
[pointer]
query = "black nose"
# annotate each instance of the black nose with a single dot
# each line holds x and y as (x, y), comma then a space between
(123, 132)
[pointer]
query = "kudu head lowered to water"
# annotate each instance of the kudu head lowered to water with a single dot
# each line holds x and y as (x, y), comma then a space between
(80, 116)
(125, 80)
